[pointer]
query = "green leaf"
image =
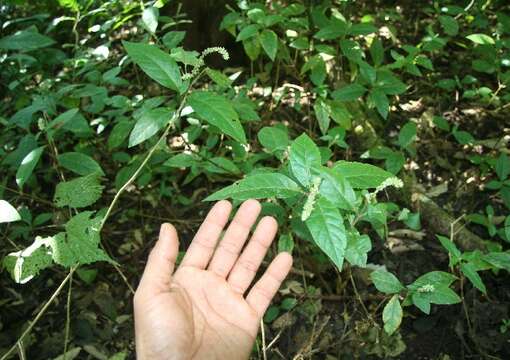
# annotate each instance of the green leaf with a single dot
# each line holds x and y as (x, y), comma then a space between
(87, 275)
(252, 47)
(248, 32)
(500, 260)
(273, 138)
(221, 165)
(360, 175)
(150, 18)
(157, 64)
(340, 114)
(245, 108)
(357, 249)
(502, 166)
(481, 39)
(259, 186)
(349, 92)
(463, 137)
(327, 228)
(25, 40)
(8, 213)
(80, 243)
(218, 111)
(449, 25)
(443, 295)
(434, 278)
(337, 189)
(389, 83)
(119, 134)
(322, 111)
(173, 38)
(28, 165)
(377, 52)
(380, 101)
(441, 123)
(181, 161)
(336, 29)
(304, 158)
(285, 243)
(422, 301)
(25, 264)
(469, 270)
(386, 282)
(453, 252)
(149, 124)
(392, 315)
(218, 77)
(61, 120)
(362, 29)
(79, 192)
(269, 42)
(407, 134)
(79, 163)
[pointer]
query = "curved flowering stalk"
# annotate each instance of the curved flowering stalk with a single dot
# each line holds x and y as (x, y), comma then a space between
(391, 181)
(201, 63)
(310, 200)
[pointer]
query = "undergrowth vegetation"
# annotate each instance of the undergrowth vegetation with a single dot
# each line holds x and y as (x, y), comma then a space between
(376, 133)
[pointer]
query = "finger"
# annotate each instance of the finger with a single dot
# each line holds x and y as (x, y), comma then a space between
(230, 246)
(161, 262)
(203, 244)
(264, 290)
(248, 263)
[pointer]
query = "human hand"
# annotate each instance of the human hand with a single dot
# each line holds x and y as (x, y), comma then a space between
(201, 312)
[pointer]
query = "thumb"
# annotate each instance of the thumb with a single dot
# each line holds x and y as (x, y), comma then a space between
(161, 262)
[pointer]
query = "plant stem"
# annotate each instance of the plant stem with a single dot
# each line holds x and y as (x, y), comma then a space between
(40, 313)
(68, 315)
(103, 221)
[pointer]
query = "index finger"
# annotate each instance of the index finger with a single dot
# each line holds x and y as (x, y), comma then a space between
(204, 243)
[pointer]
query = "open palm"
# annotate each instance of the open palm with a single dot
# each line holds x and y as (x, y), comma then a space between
(201, 311)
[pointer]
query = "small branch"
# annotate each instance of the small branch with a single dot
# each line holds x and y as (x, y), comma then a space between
(40, 313)
(68, 315)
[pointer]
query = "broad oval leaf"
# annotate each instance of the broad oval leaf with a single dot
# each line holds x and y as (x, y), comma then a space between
(26, 40)
(349, 93)
(337, 189)
(392, 315)
(322, 113)
(8, 213)
(269, 42)
(79, 163)
(159, 65)
(357, 249)
(150, 18)
(149, 124)
(248, 32)
(273, 138)
(79, 192)
(386, 282)
(360, 175)
(259, 186)
(434, 278)
(481, 39)
(24, 265)
(28, 165)
(218, 111)
(327, 228)
(304, 157)
(469, 270)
